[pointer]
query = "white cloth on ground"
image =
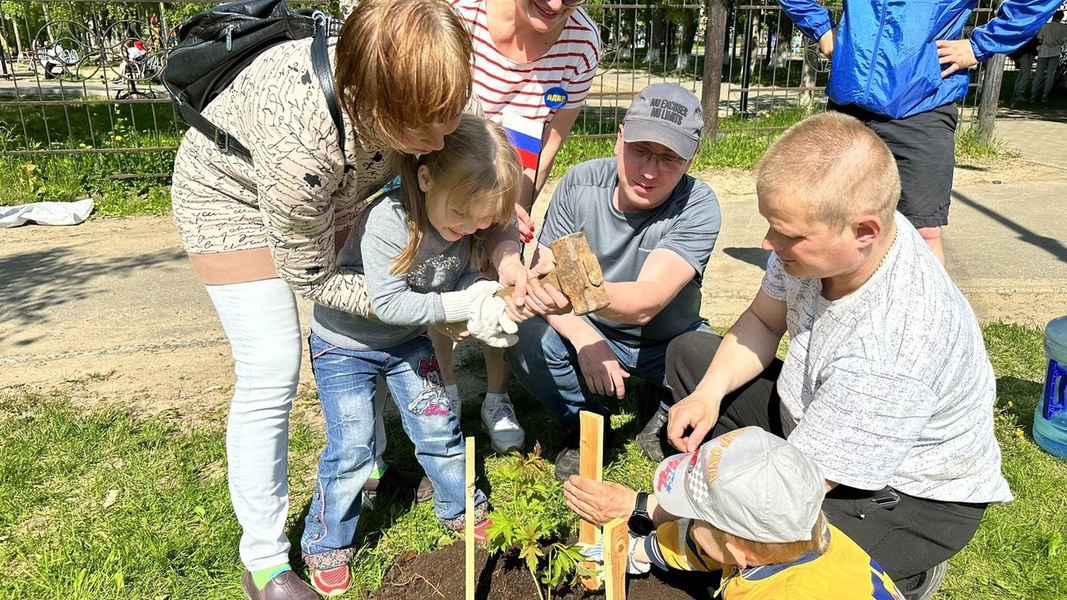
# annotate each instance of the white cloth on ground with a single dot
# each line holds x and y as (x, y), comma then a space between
(46, 213)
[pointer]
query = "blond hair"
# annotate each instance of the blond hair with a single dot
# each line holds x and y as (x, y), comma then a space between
(402, 67)
(765, 553)
(836, 165)
(477, 166)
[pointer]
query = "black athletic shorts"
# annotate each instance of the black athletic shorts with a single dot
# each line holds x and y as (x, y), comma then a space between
(924, 146)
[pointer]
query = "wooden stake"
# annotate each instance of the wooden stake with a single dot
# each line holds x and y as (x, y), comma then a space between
(468, 521)
(616, 556)
(591, 450)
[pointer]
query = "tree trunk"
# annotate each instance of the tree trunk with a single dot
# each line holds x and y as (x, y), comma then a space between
(18, 38)
(714, 41)
(627, 22)
(689, 34)
(656, 34)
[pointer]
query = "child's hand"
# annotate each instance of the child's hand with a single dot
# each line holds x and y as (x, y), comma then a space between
(488, 322)
(547, 298)
(516, 312)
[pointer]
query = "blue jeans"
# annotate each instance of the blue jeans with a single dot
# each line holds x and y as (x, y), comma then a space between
(547, 366)
(345, 380)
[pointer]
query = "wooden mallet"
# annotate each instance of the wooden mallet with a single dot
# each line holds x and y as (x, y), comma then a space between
(577, 274)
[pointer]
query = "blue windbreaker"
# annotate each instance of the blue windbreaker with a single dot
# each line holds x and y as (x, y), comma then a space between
(885, 51)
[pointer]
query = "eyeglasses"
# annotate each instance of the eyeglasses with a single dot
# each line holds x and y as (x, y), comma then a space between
(643, 154)
(573, 3)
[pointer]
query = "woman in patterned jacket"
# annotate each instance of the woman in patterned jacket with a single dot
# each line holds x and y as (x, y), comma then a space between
(256, 232)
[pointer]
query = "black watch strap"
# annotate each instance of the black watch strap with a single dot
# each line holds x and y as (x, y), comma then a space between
(641, 505)
(640, 523)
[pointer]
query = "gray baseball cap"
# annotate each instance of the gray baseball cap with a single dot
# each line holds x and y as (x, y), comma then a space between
(668, 114)
(748, 483)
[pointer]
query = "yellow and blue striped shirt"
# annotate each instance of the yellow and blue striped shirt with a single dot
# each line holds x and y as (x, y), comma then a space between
(845, 571)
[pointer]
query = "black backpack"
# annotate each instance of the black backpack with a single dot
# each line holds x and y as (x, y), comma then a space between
(215, 45)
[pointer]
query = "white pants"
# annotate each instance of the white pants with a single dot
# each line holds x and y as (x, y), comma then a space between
(263, 325)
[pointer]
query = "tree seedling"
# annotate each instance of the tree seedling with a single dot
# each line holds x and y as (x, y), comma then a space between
(528, 517)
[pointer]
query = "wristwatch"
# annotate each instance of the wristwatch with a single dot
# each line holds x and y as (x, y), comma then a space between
(639, 522)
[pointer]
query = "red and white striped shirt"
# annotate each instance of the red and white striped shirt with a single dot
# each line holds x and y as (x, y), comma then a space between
(501, 83)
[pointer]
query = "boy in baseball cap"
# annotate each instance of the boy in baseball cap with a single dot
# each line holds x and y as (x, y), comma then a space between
(750, 504)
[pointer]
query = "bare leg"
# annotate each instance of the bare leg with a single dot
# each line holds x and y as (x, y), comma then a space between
(442, 348)
(497, 372)
(932, 237)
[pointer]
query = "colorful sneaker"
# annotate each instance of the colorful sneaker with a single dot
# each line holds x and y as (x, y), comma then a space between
(482, 521)
(332, 582)
(505, 433)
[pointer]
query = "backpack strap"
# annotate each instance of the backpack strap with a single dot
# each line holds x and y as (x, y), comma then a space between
(320, 62)
(226, 143)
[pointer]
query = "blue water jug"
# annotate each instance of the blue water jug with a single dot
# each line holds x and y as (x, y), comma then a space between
(1050, 417)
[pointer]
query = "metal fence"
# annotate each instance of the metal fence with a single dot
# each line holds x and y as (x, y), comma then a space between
(764, 63)
(79, 78)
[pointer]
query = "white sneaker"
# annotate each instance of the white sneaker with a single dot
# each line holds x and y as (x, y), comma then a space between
(505, 433)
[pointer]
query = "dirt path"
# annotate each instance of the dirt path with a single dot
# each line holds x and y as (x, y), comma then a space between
(110, 311)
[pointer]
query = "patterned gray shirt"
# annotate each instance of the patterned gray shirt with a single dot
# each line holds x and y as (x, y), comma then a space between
(891, 385)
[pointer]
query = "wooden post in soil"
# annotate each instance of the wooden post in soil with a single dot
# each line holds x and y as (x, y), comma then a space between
(616, 555)
(591, 449)
(468, 520)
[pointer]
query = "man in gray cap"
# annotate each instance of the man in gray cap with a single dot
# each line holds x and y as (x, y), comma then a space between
(652, 226)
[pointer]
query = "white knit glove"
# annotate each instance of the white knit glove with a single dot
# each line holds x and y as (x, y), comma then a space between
(488, 322)
(484, 286)
(595, 553)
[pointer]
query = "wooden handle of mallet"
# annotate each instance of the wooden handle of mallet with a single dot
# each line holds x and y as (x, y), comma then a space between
(550, 278)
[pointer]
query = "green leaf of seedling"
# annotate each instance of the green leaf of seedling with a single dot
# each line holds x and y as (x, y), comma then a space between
(584, 571)
(532, 555)
(532, 532)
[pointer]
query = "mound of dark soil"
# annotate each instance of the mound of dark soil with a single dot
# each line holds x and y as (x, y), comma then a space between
(440, 575)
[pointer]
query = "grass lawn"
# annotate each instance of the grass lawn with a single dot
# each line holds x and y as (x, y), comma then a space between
(98, 504)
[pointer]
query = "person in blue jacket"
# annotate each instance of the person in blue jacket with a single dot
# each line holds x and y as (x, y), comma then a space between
(899, 68)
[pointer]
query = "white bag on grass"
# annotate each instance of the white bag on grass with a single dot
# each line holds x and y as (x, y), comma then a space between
(46, 213)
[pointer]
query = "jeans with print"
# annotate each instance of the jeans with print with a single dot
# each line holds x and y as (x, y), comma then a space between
(546, 365)
(346, 384)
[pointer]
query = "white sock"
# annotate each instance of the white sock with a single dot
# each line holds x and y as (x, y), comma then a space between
(494, 396)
